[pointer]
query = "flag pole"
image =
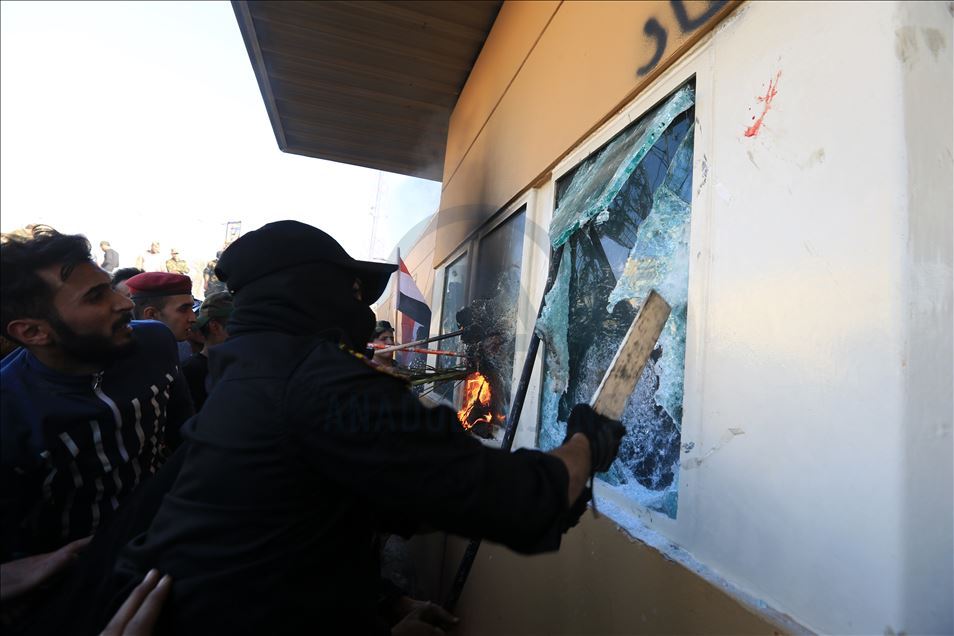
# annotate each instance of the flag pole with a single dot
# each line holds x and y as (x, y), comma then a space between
(396, 295)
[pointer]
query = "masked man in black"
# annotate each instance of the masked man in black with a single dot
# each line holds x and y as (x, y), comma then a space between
(303, 451)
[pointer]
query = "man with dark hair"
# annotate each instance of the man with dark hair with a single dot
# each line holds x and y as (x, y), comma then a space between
(383, 334)
(120, 276)
(303, 451)
(110, 257)
(90, 403)
(211, 323)
(166, 298)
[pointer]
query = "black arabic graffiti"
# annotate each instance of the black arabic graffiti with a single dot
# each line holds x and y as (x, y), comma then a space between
(655, 30)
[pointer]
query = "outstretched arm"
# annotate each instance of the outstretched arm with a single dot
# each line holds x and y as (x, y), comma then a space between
(415, 466)
(575, 455)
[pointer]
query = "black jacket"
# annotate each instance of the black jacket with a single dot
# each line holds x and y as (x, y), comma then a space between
(300, 454)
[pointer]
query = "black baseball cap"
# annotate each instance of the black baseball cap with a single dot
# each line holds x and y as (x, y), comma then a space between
(283, 244)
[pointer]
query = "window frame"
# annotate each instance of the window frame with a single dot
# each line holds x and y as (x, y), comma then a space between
(469, 249)
(697, 65)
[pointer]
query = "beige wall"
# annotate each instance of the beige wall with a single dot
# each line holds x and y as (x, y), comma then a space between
(818, 415)
(600, 582)
(549, 74)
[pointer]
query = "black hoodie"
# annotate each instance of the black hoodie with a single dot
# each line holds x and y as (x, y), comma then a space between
(302, 452)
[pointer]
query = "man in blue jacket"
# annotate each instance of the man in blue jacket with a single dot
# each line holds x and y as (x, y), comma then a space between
(91, 404)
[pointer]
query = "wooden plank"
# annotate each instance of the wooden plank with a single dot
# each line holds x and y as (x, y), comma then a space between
(626, 368)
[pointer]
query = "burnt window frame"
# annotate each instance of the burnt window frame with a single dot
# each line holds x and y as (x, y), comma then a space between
(470, 249)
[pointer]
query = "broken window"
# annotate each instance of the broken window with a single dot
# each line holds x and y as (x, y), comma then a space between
(492, 314)
(453, 299)
(621, 229)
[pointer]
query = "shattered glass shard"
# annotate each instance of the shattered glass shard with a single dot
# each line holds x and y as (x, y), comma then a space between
(623, 215)
(552, 327)
(601, 177)
(660, 260)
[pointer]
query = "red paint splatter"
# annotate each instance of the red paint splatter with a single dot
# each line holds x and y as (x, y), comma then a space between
(766, 100)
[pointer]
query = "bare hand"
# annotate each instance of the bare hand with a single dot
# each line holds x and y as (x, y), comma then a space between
(138, 615)
(25, 575)
(425, 619)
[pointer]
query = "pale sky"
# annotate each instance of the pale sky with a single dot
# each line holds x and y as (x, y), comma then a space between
(141, 121)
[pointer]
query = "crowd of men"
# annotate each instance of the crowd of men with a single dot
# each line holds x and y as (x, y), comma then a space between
(230, 466)
(151, 260)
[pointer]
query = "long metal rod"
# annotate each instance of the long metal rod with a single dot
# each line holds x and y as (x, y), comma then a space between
(437, 352)
(420, 342)
(440, 377)
(513, 418)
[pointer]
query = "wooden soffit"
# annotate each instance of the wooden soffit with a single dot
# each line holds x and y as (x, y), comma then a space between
(366, 83)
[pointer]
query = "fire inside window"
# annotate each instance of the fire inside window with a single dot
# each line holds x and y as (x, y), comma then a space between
(483, 398)
(620, 229)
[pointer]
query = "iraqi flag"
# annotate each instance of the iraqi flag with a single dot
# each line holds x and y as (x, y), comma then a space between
(415, 317)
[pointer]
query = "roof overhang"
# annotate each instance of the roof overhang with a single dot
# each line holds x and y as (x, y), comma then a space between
(366, 83)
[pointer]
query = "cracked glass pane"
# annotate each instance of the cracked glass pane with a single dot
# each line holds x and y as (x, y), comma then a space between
(552, 328)
(494, 306)
(635, 242)
(453, 299)
(596, 183)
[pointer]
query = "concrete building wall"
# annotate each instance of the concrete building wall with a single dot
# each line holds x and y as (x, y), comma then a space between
(819, 350)
(570, 64)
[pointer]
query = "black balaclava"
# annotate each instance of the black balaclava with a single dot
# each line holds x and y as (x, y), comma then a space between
(304, 300)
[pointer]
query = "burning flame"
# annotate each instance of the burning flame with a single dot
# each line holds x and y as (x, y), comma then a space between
(476, 392)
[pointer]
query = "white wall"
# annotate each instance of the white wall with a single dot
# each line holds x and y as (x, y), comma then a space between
(924, 41)
(820, 315)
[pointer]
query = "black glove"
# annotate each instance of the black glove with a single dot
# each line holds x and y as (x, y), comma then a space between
(603, 433)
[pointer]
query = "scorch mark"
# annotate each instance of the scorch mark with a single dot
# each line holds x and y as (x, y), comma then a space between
(766, 100)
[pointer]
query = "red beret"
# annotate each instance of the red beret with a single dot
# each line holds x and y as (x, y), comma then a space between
(152, 284)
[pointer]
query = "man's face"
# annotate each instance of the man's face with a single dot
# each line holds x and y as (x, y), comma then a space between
(386, 338)
(217, 332)
(90, 321)
(178, 315)
(154, 248)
